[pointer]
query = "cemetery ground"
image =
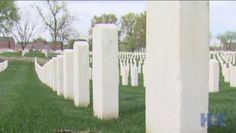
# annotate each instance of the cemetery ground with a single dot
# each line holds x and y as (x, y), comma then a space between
(29, 54)
(29, 106)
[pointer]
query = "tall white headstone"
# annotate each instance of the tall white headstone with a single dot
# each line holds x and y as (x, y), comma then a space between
(90, 73)
(105, 71)
(51, 75)
(134, 76)
(125, 76)
(177, 66)
(54, 73)
(60, 75)
(68, 74)
(232, 76)
(226, 73)
(81, 73)
(213, 75)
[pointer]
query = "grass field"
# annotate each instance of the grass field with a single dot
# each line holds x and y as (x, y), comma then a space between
(11, 54)
(27, 106)
(29, 54)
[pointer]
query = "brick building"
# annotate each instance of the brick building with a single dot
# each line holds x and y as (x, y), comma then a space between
(56, 45)
(7, 43)
(40, 44)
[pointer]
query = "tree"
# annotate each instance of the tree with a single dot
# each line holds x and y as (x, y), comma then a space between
(104, 18)
(133, 29)
(140, 30)
(71, 43)
(8, 15)
(56, 18)
(128, 23)
(68, 34)
(226, 39)
(24, 30)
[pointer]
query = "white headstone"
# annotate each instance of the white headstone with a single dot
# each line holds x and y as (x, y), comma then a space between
(226, 73)
(81, 73)
(125, 76)
(177, 66)
(60, 75)
(68, 74)
(134, 76)
(105, 71)
(213, 75)
(90, 73)
(232, 76)
(54, 73)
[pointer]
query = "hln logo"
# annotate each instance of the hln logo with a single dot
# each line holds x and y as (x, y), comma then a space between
(213, 119)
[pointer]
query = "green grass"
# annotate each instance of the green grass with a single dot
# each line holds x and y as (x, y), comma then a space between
(18, 54)
(29, 54)
(11, 54)
(50, 55)
(34, 54)
(29, 106)
(224, 102)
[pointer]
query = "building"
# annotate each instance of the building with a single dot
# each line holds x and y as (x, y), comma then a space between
(55, 45)
(7, 43)
(41, 44)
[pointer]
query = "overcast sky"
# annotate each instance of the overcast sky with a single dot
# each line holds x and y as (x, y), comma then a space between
(222, 13)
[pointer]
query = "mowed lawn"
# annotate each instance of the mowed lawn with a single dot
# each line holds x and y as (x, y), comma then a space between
(28, 106)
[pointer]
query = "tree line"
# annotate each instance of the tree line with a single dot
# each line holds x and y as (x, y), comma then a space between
(57, 21)
(228, 40)
(132, 29)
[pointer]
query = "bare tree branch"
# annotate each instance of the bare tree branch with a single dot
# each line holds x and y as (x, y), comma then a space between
(56, 18)
(24, 30)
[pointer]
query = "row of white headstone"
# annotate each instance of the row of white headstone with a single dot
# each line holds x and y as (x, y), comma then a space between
(128, 67)
(227, 61)
(176, 68)
(58, 74)
(68, 74)
(3, 65)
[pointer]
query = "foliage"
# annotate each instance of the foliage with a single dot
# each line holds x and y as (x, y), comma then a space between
(132, 33)
(227, 38)
(104, 18)
(140, 30)
(71, 43)
(8, 15)
(133, 29)
(129, 44)
(128, 23)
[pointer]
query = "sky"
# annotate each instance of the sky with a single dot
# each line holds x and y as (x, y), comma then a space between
(222, 13)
